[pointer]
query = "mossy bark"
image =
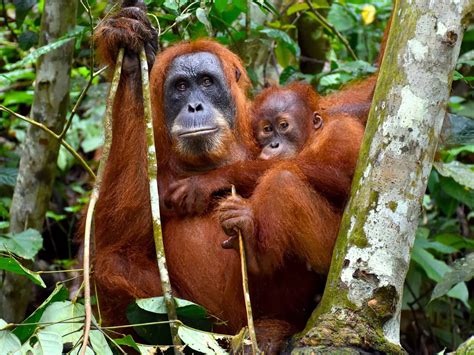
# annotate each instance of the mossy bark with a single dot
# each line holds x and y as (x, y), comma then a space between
(360, 308)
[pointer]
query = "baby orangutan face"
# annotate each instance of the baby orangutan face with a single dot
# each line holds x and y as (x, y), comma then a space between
(283, 124)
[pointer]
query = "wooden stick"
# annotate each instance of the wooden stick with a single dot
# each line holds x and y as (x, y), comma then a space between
(95, 197)
(245, 286)
(155, 207)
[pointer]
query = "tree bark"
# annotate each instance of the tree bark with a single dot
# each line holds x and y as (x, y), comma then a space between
(360, 308)
(40, 150)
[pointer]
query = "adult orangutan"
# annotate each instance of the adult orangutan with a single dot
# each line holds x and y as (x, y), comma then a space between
(200, 117)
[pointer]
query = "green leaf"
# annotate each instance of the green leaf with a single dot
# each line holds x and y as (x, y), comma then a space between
(266, 6)
(22, 7)
(422, 241)
(67, 320)
(452, 153)
(340, 18)
(13, 97)
(462, 271)
(27, 40)
(461, 293)
(171, 5)
(23, 332)
(25, 244)
(128, 341)
(8, 176)
(220, 5)
(90, 144)
(240, 4)
(154, 310)
(56, 217)
(454, 240)
(334, 80)
(467, 347)
(15, 75)
(461, 173)
(457, 191)
(183, 17)
(300, 6)
(202, 17)
(12, 265)
(434, 268)
(283, 38)
(203, 342)
(38, 52)
(457, 75)
(49, 343)
(140, 348)
(283, 55)
(9, 343)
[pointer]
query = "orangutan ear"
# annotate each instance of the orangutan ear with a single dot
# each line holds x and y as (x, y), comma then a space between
(237, 74)
(317, 120)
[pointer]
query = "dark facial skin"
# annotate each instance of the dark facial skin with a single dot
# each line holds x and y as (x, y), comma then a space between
(283, 124)
(199, 109)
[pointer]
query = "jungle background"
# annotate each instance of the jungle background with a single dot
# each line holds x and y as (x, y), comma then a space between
(327, 43)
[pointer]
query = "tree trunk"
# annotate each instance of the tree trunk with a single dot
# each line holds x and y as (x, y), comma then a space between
(40, 151)
(360, 309)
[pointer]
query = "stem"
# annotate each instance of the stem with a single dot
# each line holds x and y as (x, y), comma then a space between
(86, 266)
(245, 286)
(65, 144)
(155, 206)
(333, 29)
(95, 196)
(91, 76)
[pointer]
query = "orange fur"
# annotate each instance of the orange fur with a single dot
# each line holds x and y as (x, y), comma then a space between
(124, 257)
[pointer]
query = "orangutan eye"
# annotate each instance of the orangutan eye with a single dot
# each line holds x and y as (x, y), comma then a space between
(207, 81)
(181, 86)
(267, 129)
(284, 125)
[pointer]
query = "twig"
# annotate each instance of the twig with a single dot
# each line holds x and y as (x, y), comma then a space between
(95, 196)
(183, 12)
(245, 286)
(139, 324)
(333, 29)
(54, 135)
(87, 7)
(79, 101)
(57, 271)
(155, 205)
